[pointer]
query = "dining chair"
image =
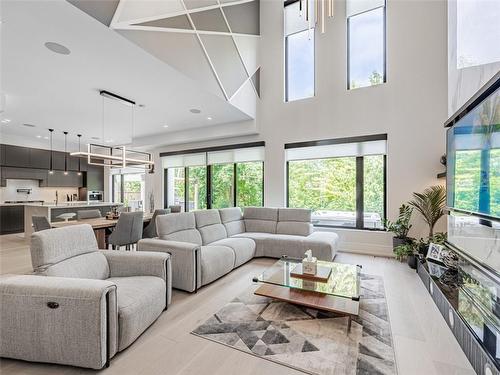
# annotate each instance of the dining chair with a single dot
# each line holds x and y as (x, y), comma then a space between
(128, 230)
(40, 223)
(88, 214)
(150, 230)
(175, 209)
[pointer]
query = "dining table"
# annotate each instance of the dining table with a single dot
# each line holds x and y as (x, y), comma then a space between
(99, 225)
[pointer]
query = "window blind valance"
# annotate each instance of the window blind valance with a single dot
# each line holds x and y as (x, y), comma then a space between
(187, 160)
(378, 147)
(354, 7)
(241, 155)
(236, 156)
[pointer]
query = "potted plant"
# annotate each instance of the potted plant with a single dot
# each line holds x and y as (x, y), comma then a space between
(401, 226)
(431, 205)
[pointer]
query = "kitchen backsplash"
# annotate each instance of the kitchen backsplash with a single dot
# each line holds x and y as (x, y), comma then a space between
(47, 194)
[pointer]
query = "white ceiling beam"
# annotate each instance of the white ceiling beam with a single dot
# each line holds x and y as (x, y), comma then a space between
(171, 14)
(176, 30)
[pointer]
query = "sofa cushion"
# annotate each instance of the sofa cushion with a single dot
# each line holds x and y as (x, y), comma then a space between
(261, 213)
(52, 246)
(258, 238)
(244, 248)
(216, 261)
(178, 227)
(209, 225)
(86, 266)
(141, 300)
(260, 219)
(232, 219)
(294, 214)
(294, 227)
(323, 248)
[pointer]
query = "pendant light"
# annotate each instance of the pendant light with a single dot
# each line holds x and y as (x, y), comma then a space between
(79, 160)
(65, 154)
(51, 169)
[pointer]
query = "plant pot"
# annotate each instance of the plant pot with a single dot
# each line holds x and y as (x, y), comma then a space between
(396, 241)
(412, 261)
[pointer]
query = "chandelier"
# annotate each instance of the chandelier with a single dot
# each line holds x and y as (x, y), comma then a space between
(316, 11)
(116, 156)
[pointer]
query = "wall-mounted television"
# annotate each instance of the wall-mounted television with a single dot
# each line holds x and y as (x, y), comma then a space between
(473, 155)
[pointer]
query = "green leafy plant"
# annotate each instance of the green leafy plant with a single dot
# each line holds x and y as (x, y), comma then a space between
(438, 238)
(401, 226)
(430, 203)
(402, 251)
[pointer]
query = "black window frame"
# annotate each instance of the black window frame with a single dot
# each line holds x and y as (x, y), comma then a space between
(122, 186)
(286, 47)
(209, 174)
(384, 80)
(359, 179)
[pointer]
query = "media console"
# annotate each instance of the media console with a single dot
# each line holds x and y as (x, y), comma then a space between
(457, 308)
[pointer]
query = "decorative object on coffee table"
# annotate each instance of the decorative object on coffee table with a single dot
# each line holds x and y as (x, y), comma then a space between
(309, 263)
(322, 273)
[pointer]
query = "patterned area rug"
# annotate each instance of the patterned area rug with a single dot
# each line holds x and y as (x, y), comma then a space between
(305, 339)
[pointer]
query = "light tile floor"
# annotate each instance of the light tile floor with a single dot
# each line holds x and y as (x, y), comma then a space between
(423, 342)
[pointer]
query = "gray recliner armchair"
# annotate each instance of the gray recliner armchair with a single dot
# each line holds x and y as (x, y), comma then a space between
(93, 304)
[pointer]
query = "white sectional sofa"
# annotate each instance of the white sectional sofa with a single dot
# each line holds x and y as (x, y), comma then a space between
(205, 245)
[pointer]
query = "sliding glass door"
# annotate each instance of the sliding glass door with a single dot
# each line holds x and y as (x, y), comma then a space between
(197, 188)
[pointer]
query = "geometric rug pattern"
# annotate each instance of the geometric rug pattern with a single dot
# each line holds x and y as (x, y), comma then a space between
(309, 340)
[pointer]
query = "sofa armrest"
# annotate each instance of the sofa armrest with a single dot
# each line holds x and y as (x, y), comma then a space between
(40, 317)
(323, 240)
(185, 260)
(126, 263)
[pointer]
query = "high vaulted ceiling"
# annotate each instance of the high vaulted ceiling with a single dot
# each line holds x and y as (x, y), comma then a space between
(61, 91)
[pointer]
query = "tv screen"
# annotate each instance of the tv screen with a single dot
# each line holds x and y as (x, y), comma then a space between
(473, 159)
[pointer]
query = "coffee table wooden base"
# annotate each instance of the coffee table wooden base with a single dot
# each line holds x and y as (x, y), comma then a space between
(314, 300)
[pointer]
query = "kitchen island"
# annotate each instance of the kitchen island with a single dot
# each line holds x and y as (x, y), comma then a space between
(52, 211)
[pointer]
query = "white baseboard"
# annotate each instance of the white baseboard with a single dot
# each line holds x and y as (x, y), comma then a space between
(366, 249)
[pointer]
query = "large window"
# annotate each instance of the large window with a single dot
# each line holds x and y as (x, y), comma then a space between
(342, 181)
(215, 178)
(366, 43)
(129, 189)
(299, 54)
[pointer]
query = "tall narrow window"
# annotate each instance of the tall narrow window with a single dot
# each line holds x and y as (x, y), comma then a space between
(299, 53)
(341, 180)
(366, 43)
(222, 185)
(129, 189)
(197, 187)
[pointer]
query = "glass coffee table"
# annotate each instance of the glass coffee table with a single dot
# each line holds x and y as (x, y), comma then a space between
(339, 294)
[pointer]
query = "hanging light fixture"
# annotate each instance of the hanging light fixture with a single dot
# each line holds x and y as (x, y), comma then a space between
(116, 156)
(65, 153)
(51, 169)
(79, 159)
(321, 9)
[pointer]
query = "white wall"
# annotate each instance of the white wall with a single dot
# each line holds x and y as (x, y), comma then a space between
(411, 107)
(463, 83)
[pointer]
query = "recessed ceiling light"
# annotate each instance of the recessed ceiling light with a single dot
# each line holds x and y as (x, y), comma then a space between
(195, 110)
(142, 105)
(45, 137)
(209, 118)
(165, 126)
(29, 125)
(5, 121)
(39, 136)
(108, 140)
(57, 48)
(95, 138)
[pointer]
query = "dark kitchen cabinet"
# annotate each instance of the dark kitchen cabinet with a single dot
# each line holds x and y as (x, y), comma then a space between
(95, 178)
(59, 179)
(11, 219)
(39, 158)
(58, 161)
(73, 163)
(2, 154)
(17, 156)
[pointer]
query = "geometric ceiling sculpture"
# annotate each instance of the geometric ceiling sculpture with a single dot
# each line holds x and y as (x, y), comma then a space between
(214, 42)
